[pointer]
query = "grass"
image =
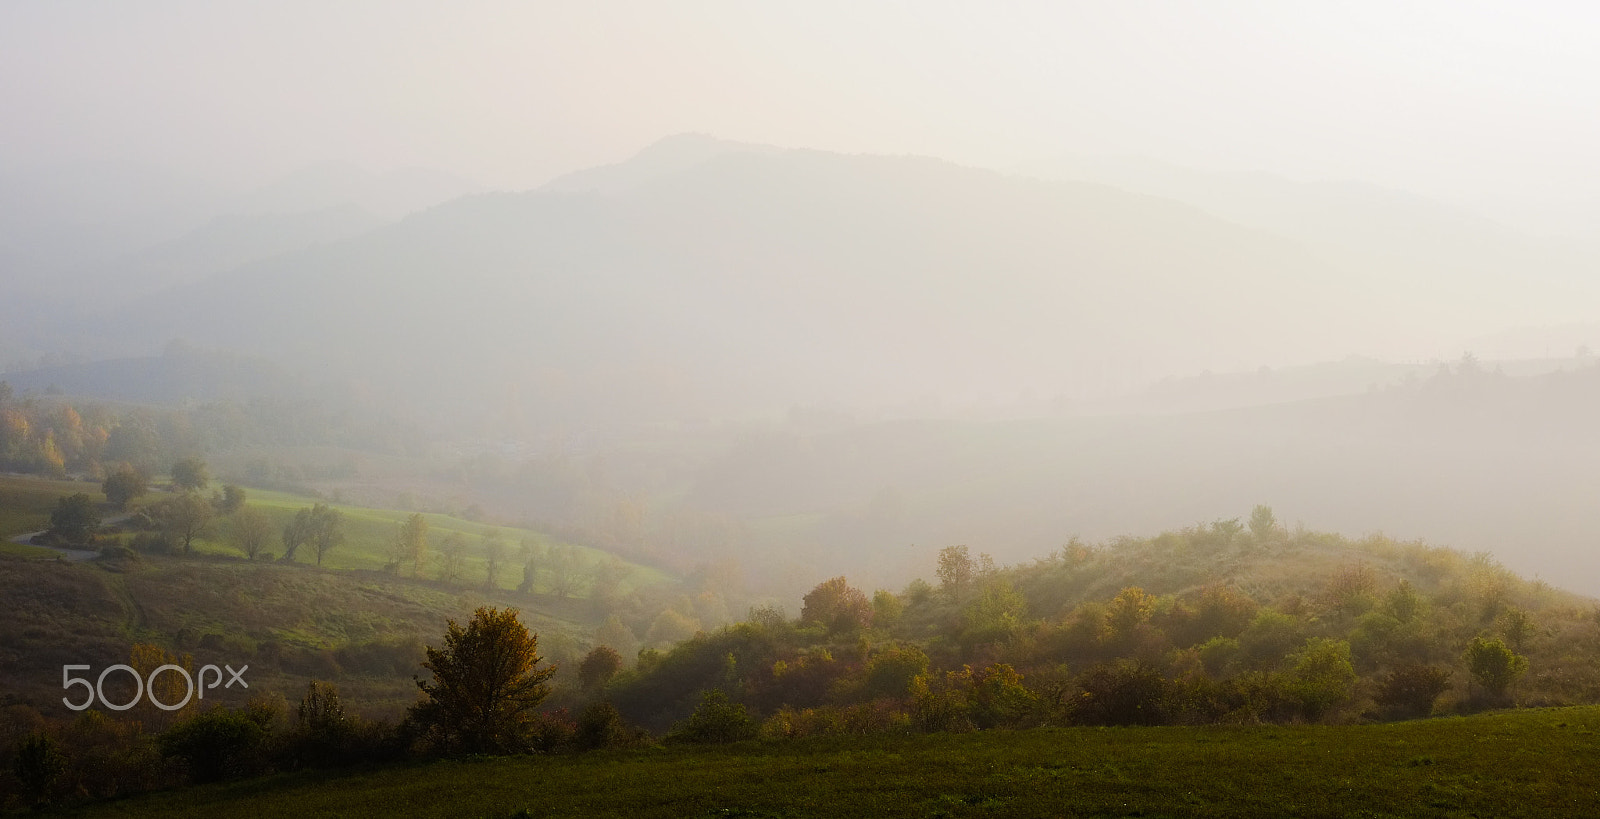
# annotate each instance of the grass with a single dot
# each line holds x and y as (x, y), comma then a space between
(1532, 763)
(26, 502)
(370, 531)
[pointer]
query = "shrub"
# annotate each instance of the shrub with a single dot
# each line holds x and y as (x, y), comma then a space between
(1123, 693)
(718, 719)
(1494, 666)
(218, 744)
(38, 765)
(1410, 690)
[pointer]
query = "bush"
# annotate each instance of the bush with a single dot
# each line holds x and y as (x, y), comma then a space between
(717, 720)
(38, 765)
(600, 725)
(218, 744)
(1410, 691)
(1124, 693)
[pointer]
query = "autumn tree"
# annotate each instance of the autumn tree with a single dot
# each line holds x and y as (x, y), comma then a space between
(190, 475)
(837, 605)
(486, 685)
(955, 569)
(124, 484)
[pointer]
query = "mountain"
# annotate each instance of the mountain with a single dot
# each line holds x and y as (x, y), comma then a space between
(747, 281)
(1460, 270)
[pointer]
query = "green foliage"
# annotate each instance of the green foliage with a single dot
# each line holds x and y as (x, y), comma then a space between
(218, 744)
(124, 484)
(1411, 690)
(190, 475)
(887, 608)
(717, 720)
(75, 519)
(38, 765)
(598, 667)
(231, 500)
(486, 685)
(996, 614)
(184, 519)
(892, 670)
(1322, 676)
(1123, 693)
(1493, 665)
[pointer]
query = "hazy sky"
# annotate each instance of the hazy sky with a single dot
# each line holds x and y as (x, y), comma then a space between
(1484, 102)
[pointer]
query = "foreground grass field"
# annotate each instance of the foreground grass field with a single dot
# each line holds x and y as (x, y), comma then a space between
(1534, 763)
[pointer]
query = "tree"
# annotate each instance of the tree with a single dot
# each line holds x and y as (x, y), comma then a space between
(486, 685)
(599, 666)
(190, 475)
(837, 605)
(718, 719)
(250, 531)
(184, 519)
(452, 557)
(327, 529)
(1494, 666)
(413, 542)
(296, 533)
(1410, 690)
(494, 554)
(74, 519)
(38, 764)
(955, 569)
(124, 484)
(1263, 524)
(1323, 676)
(231, 500)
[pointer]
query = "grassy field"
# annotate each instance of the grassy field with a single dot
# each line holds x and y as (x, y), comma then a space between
(346, 622)
(26, 501)
(1533, 763)
(370, 531)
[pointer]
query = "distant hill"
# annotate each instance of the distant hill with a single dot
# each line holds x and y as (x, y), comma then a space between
(181, 375)
(715, 283)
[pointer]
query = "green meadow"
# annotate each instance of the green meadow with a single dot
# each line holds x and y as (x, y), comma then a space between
(1530, 763)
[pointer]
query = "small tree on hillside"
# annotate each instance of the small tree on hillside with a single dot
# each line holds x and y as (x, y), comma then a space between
(486, 685)
(598, 667)
(1494, 666)
(124, 484)
(190, 475)
(837, 605)
(955, 569)
(74, 519)
(296, 533)
(249, 531)
(184, 519)
(327, 529)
